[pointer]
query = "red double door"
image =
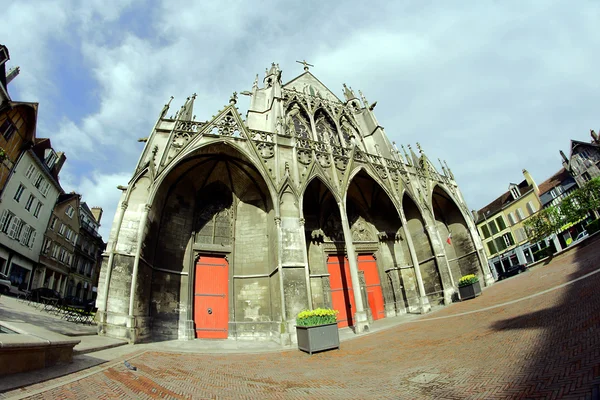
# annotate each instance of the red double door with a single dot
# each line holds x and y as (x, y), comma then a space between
(211, 287)
(342, 296)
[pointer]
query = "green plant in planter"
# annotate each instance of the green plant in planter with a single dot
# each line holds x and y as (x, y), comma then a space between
(318, 316)
(468, 280)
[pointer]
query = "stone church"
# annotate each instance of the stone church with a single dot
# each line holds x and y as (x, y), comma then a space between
(230, 227)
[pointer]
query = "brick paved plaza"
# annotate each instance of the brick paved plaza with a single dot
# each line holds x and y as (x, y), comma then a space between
(543, 346)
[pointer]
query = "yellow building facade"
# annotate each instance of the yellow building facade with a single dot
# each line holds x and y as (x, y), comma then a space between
(501, 224)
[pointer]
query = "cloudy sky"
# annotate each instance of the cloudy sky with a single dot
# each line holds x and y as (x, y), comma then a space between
(490, 86)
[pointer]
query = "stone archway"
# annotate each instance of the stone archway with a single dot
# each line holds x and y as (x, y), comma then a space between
(377, 235)
(458, 242)
(432, 280)
(325, 251)
(214, 208)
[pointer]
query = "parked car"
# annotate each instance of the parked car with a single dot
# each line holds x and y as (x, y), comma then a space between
(512, 270)
(38, 293)
(580, 237)
(5, 284)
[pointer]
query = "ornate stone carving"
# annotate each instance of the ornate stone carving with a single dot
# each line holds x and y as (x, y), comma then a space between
(381, 171)
(266, 150)
(324, 160)
(304, 156)
(361, 232)
(341, 163)
(226, 126)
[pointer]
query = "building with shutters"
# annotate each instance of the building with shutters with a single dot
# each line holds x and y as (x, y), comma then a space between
(230, 227)
(88, 253)
(26, 205)
(58, 249)
(501, 227)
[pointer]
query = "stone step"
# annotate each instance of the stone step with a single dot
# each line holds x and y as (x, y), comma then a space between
(91, 344)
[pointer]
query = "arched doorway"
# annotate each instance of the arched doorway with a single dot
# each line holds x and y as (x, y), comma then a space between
(432, 281)
(216, 249)
(458, 242)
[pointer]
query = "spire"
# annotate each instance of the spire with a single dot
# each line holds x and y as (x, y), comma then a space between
(443, 168)
(255, 84)
(414, 157)
(364, 99)
(564, 157)
(348, 93)
(272, 75)
(406, 155)
(449, 170)
(166, 108)
(187, 110)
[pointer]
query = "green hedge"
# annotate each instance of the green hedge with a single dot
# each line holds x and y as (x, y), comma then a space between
(593, 226)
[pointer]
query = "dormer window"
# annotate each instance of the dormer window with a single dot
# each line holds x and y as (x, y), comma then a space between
(51, 158)
(515, 192)
(7, 129)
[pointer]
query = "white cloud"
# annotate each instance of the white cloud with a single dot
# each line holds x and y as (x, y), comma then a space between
(100, 190)
(491, 87)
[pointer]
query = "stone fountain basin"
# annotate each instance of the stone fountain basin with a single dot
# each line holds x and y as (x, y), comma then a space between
(32, 347)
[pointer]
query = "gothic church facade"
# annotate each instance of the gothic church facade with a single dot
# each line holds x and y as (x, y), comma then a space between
(230, 227)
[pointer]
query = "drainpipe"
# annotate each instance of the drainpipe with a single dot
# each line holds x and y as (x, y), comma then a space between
(136, 263)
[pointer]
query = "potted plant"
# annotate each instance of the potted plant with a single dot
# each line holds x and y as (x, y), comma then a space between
(469, 287)
(317, 330)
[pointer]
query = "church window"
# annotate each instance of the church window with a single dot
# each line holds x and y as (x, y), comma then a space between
(326, 131)
(296, 123)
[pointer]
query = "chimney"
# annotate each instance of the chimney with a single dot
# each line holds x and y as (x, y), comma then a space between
(97, 213)
(61, 160)
(531, 182)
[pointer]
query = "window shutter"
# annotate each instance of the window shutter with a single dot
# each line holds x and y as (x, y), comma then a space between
(25, 235)
(32, 239)
(3, 219)
(14, 227)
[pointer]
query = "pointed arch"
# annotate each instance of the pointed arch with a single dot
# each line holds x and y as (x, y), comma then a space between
(430, 272)
(373, 176)
(315, 175)
(454, 229)
(229, 147)
(297, 121)
(325, 127)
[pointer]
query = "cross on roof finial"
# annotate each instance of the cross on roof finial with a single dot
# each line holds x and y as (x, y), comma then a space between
(306, 65)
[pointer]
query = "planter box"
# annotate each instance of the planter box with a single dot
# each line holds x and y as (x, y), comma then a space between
(469, 292)
(318, 338)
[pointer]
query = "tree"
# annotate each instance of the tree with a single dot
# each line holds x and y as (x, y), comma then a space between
(581, 202)
(543, 224)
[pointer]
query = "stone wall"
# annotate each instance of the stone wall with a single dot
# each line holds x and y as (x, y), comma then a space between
(252, 308)
(165, 304)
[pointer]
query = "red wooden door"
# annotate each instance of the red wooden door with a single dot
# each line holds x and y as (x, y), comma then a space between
(211, 311)
(342, 297)
(367, 263)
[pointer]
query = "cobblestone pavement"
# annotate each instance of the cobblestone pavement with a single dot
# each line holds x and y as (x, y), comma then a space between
(541, 347)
